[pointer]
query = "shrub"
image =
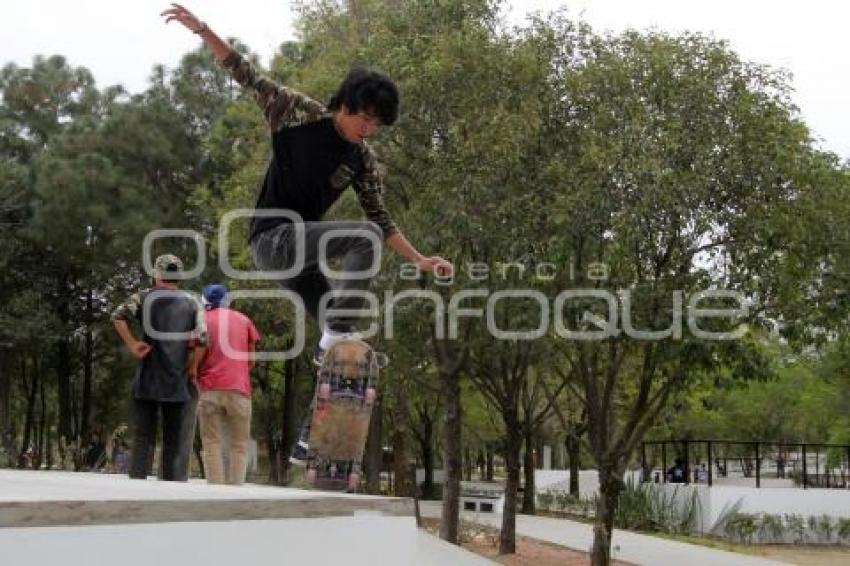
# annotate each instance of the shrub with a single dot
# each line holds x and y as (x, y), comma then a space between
(796, 525)
(742, 526)
(771, 528)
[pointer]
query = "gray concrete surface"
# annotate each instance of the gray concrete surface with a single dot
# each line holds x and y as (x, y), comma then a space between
(83, 519)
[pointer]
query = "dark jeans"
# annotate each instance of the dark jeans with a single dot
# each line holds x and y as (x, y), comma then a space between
(183, 462)
(274, 250)
(145, 416)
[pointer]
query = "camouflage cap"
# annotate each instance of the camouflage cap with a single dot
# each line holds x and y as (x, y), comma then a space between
(167, 263)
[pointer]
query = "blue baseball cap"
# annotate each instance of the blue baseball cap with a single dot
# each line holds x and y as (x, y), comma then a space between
(214, 294)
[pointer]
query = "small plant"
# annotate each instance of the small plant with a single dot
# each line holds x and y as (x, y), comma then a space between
(843, 528)
(545, 500)
(726, 513)
(797, 526)
(588, 507)
(825, 527)
(563, 500)
(742, 526)
(650, 507)
(771, 528)
(813, 525)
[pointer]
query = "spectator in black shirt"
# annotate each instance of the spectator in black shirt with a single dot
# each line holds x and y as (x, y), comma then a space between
(161, 380)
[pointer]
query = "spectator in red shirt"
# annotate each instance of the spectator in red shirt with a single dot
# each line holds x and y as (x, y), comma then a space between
(223, 372)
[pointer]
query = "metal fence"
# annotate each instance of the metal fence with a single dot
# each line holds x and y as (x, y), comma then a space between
(732, 462)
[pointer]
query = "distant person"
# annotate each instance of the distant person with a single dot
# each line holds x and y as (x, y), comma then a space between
(780, 466)
(676, 473)
(225, 382)
(121, 462)
(95, 451)
(161, 381)
(702, 473)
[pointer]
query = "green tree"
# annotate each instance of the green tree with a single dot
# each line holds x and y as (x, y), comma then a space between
(674, 166)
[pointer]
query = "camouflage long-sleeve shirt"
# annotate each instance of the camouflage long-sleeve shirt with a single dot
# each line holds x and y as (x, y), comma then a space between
(311, 163)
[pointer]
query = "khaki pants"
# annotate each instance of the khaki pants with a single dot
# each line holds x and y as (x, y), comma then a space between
(225, 414)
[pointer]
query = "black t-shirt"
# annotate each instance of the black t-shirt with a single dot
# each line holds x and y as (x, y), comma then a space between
(311, 166)
(161, 374)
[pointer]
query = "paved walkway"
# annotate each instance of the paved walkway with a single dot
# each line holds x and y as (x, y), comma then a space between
(627, 546)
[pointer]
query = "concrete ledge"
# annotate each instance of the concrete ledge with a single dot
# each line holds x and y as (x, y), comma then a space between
(83, 519)
(71, 513)
(47, 499)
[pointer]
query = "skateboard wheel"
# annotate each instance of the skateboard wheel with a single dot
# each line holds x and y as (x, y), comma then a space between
(353, 480)
(371, 395)
(324, 391)
(310, 476)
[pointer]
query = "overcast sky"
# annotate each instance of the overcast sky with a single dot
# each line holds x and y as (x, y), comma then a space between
(121, 44)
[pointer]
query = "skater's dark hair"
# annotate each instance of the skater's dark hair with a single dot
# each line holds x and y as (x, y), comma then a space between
(369, 91)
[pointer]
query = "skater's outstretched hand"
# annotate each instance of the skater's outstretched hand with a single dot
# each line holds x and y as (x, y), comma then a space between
(185, 17)
(438, 265)
(220, 48)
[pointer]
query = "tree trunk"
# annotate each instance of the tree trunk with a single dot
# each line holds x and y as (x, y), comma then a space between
(401, 470)
(271, 418)
(273, 452)
(42, 423)
(31, 390)
(468, 464)
(513, 444)
(450, 390)
(574, 454)
(529, 465)
(480, 466)
(5, 396)
(539, 451)
(405, 486)
(374, 448)
(88, 370)
(63, 371)
(289, 422)
(610, 486)
(488, 464)
(426, 449)
(49, 458)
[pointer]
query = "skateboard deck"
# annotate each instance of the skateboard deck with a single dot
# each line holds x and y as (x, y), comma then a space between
(345, 393)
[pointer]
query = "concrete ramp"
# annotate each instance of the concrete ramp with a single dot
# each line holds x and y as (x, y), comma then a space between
(91, 519)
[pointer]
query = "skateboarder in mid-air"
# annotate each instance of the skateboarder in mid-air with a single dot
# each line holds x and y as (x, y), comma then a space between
(319, 151)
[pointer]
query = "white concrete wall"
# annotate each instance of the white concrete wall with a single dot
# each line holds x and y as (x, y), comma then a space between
(751, 482)
(559, 480)
(715, 500)
(588, 481)
(834, 502)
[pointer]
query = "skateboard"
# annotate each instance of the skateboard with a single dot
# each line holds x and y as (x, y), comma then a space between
(345, 394)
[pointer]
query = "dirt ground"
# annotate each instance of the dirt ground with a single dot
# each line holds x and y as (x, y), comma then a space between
(533, 552)
(812, 555)
(807, 556)
(529, 551)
